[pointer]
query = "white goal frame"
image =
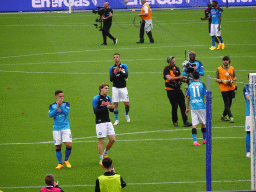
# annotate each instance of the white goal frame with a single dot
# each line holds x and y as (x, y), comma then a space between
(252, 84)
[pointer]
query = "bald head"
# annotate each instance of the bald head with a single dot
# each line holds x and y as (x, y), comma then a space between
(106, 4)
(143, 2)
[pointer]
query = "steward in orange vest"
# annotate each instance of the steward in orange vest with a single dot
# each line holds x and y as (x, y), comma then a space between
(226, 76)
(146, 22)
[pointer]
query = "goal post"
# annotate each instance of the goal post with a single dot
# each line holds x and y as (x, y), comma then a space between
(252, 85)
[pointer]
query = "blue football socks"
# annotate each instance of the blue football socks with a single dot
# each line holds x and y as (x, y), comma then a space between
(116, 114)
(126, 111)
(59, 155)
(67, 153)
(248, 142)
(213, 41)
(204, 135)
(221, 40)
(194, 137)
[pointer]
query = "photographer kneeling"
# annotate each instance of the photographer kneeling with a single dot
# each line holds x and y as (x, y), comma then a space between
(107, 14)
(176, 97)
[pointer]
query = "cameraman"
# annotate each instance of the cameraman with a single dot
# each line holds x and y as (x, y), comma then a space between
(195, 64)
(107, 13)
(176, 97)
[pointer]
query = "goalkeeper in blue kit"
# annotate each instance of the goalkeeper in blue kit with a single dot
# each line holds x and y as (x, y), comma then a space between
(61, 130)
(196, 94)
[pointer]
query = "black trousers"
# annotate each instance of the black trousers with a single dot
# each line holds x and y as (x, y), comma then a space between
(177, 98)
(142, 28)
(227, 98)
(105, 31)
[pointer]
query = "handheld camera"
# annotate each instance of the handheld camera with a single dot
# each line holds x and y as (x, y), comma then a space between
(189, 69)
(100, 12)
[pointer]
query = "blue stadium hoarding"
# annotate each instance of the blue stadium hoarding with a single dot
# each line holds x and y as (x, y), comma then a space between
(56, 5)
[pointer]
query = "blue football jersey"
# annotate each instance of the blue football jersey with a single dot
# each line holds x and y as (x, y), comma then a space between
(246, 91)
(119, 80)
(60, 116)
(215, 13)
(196, 91)
(99, 104)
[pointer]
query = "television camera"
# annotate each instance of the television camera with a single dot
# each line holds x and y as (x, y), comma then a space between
(189, 69)
(100, 12)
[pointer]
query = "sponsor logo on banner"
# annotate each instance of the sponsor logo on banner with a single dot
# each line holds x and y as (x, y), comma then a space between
(237, 1)
(153, 2)
(94, 2)
(60, 3)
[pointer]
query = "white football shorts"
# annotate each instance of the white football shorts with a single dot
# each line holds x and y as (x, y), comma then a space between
(198, 116)
(248, 123)
(62, 136)
(104, 129)
(214, 30)
(120, 95)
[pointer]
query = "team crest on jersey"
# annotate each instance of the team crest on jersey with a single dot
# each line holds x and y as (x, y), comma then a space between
(227, 73)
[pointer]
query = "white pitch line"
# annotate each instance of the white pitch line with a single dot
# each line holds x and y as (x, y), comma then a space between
(133, 133)
(158, 131)
(87, 73)
(130, 140)
(123, 24)
(164, 139)
(124, 60)
(149, 183)
(114, 49)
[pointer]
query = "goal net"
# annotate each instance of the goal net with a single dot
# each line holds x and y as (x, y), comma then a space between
(252, 85)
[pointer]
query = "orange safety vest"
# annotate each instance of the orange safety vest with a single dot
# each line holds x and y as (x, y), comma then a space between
(172, 75)
(146, 17)
(226, 74)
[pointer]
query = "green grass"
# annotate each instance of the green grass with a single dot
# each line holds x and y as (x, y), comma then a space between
(41, 53)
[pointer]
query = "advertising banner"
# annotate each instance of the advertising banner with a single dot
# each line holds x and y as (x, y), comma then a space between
(57, 5)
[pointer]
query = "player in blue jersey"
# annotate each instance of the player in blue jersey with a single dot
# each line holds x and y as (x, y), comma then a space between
(118, 74)
(246, 93)
(61, 130)
(215, 16)
(101, 106)
(196, 95)
(195, 64)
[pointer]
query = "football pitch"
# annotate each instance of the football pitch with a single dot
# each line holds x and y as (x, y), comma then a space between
(41, 53)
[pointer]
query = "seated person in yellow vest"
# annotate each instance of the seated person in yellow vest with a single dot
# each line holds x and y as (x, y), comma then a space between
(146, 22)
(110, 181)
